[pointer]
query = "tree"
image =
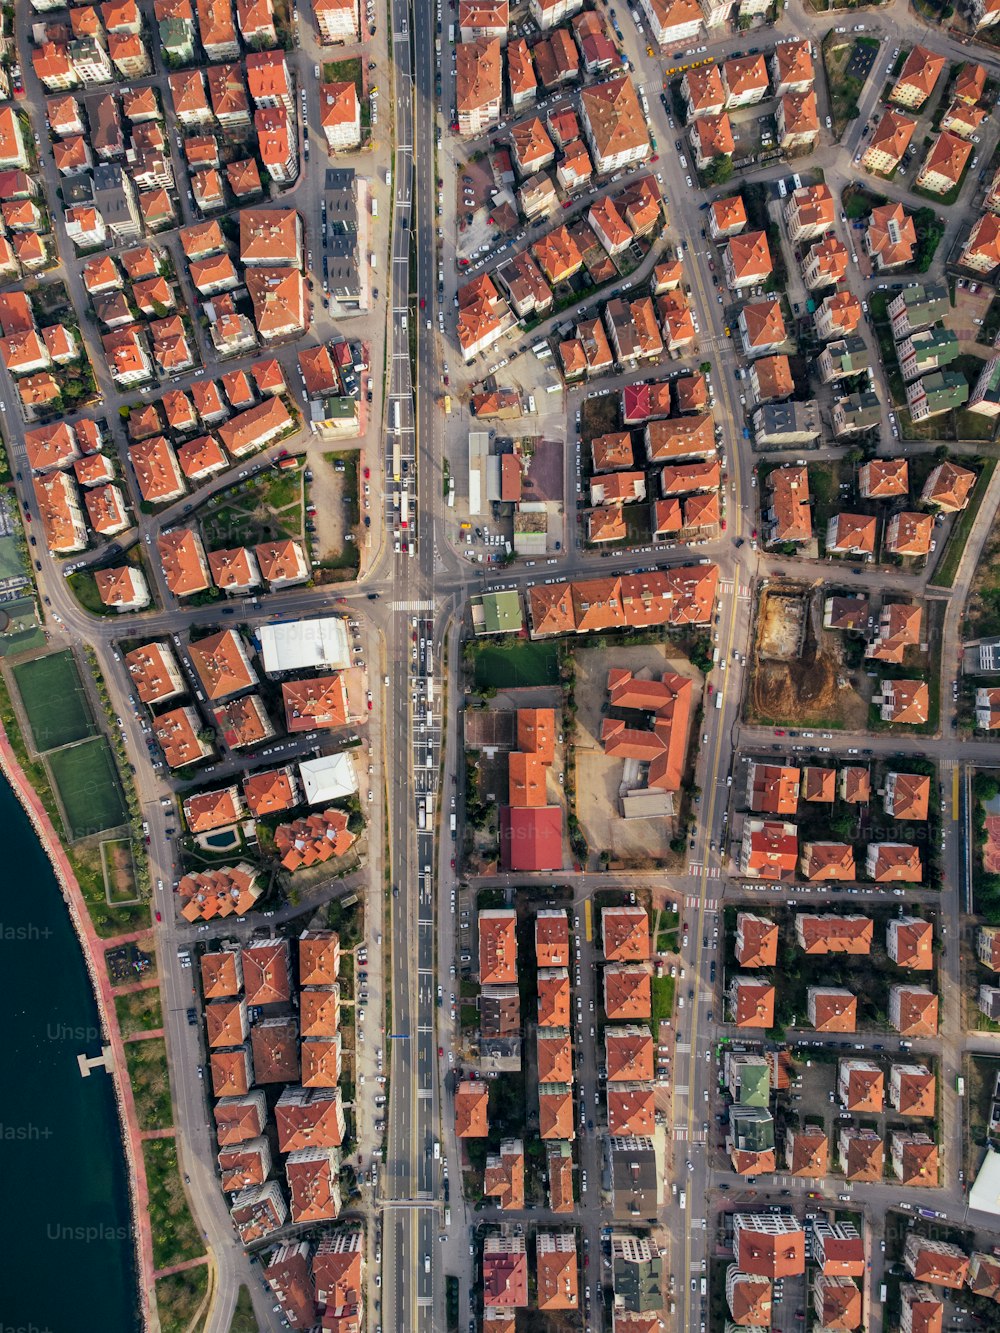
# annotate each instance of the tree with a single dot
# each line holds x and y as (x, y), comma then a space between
(718, 171)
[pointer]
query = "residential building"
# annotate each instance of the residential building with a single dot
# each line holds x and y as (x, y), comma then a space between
(810, 212)
(478, 86)
(888, 143)
(940, 391)
(944, 164)
(917, 78)
(913, 1010)
(747, 260)
(613, 124)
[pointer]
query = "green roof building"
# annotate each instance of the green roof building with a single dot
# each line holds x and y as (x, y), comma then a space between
(637, 1273)
(497, 613)
(940, 391)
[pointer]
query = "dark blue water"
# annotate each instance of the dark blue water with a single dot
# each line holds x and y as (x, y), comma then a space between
(65, 1233)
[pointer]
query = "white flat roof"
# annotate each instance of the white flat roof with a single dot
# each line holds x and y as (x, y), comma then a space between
(328, 778)
(303, 645)
(985, 1193)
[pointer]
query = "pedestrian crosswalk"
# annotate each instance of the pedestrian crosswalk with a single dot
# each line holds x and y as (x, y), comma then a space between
(696, 867)
(727, 585)
(411, 606)
(681, 1135)
(692, 900)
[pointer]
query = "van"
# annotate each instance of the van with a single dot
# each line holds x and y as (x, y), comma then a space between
(437, 1150)
(782, 188)
(374, 207)
(797, 181)
(531, 402)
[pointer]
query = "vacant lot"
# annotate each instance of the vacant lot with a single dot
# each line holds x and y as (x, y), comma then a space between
(510, 666)
(119, 870)
(53, 697)
(88, 786)
(811, 689)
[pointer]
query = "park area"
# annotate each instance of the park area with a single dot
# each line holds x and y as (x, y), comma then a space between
(87, 780)
(54, 700)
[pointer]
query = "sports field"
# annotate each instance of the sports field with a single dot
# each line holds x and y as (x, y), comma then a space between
(519, 664)
(53, 697)
(88, 787)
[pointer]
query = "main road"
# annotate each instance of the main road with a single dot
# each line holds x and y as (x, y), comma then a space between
(415, 564)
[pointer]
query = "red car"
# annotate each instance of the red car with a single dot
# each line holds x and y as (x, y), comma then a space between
(778, 732)
(567, 203)
(368, 473)
(422, 303)
(158, 917)
(440, 1050)
(369, 705)
(754, 534)
(453, 863)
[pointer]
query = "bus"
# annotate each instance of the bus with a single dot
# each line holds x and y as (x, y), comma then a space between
(396, 416)
(451, 493)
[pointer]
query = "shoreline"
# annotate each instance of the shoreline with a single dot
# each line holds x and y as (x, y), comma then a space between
(101, 986)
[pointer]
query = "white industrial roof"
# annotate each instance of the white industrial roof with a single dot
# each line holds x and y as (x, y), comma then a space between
(303, 645)
(985, 1193)
(328, 778)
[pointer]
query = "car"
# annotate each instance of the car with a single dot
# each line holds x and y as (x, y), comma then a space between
(159, 917)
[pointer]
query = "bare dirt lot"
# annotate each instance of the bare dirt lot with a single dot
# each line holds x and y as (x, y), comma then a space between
(782, 622)
(812, 689)
(635, 842)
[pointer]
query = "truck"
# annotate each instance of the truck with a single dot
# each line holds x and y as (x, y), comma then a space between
(718, 699)
(451, 493)
(683, 1200)
(960, 1085)
(454, 825)
(374, 207)
(421, 814)
(404, 510)
(396, 416)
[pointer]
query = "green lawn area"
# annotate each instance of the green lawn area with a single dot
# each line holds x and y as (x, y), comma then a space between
(147, 1071)
(139, 1012)
(175, 1236)
(88, 784)
(12, 563)
(83, 586)
(117, 920)
(519, 663)
(178, 1296)
(947, 570)
(663, 1001)
(666, 939)
(244, 1320)
(263, 508)
(53, 697)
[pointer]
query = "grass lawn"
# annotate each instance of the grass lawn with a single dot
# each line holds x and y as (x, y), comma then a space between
(947, 570)
(52, 693)
(87, 780)
(147, 1069)
(844, 91)
(139, 1012)
(83, 586)
(179, 1296)
(244, 1320)
(175, 1236)
(666, 940)
(117, 920)
(663, 1002)
(519, 663)
(12, 563)
(119, 870)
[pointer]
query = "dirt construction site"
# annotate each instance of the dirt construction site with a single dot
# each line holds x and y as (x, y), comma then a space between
(798, 676)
